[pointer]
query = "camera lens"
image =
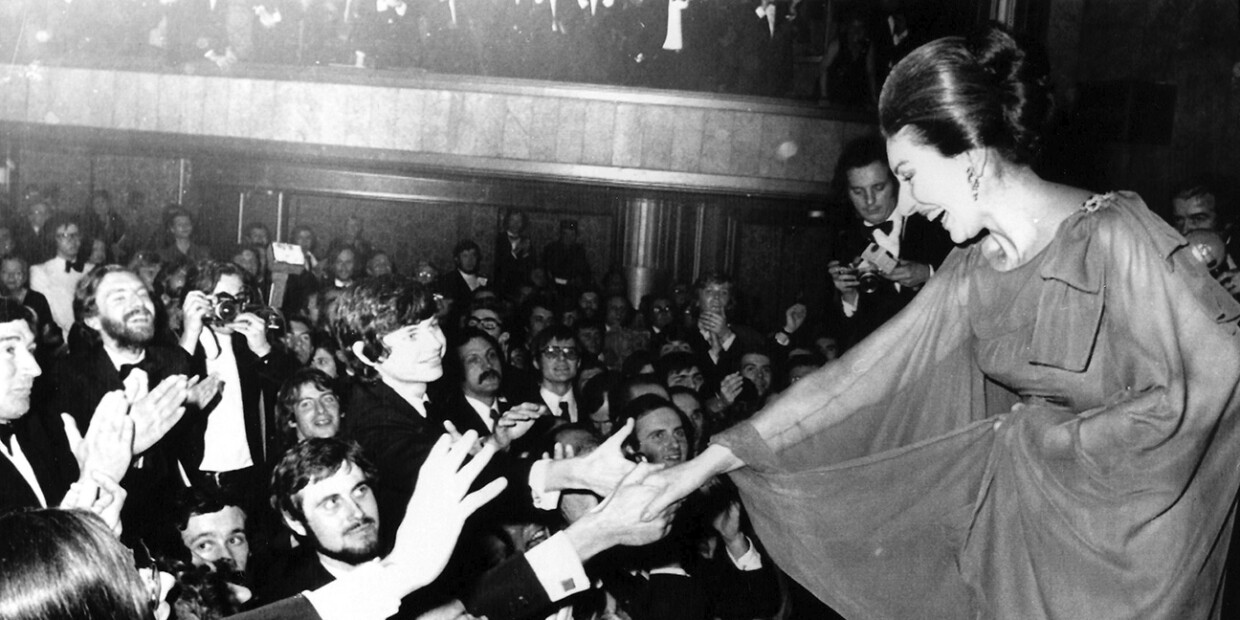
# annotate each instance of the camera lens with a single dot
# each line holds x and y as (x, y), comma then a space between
(869, 282)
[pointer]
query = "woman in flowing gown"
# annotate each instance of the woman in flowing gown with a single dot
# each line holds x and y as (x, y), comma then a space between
(1048, 430)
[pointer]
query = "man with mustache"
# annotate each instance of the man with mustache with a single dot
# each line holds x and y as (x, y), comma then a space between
(473, 397)
(116, 304)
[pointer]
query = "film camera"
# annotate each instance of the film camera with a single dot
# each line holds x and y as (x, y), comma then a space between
(872, 266)
(225, 308)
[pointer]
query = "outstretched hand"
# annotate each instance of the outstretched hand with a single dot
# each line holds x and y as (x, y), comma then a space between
(616, 520)
(438, 508)
(602, 470)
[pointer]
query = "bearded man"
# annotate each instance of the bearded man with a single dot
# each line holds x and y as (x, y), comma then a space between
(116, 304)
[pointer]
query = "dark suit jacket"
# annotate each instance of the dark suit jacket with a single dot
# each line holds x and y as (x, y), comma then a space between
(512, 271)
(454, 286)
(290, 574)
(922, 241)
(397, 438)
(451, 406)
(42, 439)
(259, 376)
(510, 591)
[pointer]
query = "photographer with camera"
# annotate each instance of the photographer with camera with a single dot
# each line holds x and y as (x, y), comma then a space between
(885, 258)
(228, 337)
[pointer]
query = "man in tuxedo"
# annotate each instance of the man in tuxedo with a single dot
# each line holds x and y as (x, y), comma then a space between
(229, 443)
(57, 278)
(116, 304)
(916, 245)
(38, 463)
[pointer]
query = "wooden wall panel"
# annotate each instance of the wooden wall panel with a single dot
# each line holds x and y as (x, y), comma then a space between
(668, 140)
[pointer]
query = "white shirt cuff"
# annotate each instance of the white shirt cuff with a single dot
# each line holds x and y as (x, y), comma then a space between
(750, 560)
(365, 593)
(558, 567)
(543, 499)
(669, 570)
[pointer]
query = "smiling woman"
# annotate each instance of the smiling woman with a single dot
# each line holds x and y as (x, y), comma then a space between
(1046, 431)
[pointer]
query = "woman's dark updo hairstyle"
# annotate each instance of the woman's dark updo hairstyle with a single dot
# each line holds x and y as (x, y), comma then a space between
(966, 93)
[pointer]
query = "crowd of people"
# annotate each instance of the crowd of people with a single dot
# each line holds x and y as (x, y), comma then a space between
(257, 452)
(1034, 415)
(737, 46)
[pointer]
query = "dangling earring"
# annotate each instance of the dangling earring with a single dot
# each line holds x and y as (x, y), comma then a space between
(974, 180)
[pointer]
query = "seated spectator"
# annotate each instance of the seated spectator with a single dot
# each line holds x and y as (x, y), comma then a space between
(30, 237)
(594, 402)
(379, 264)
(308, 407)
(628, 390)
(298, 338)
(180, 245)
(149, 266)
(257, 235)
(680, 369)
(590, 304)
(57, 278)
(212, 532)
(689, 403)
(304, 236)
(716, 338)
(803, 364)
(354, 238)
(326, 358)
(464, 280)
(13, 285)
(659, 313)
(341, 268)
(590, 334)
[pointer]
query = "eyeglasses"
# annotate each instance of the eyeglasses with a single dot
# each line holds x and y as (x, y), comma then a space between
(566, 353)
(486, 323)
(68, 235)
(662, 308)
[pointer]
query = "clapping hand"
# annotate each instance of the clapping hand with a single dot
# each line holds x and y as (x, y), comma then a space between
(107, 446)
(154, 412)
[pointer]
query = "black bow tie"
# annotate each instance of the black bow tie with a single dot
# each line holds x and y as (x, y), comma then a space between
(74, 266)
(886, 227)
(6, 435)
(128, 368)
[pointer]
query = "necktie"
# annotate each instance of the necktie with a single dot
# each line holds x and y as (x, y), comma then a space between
(564, 411)
(73, 266)
(886, 227)
(495, 414)
(6, 434)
